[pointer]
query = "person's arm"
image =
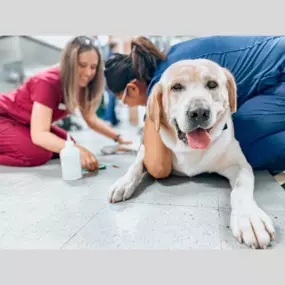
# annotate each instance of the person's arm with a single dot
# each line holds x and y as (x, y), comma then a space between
(40, 133)
(101, 127)
(98, 125)
(157, 157)
(40, 129)
(45, 100)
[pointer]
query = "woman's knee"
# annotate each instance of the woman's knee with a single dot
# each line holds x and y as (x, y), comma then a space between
(267, 153)
(18, 147)
(24, 159)
(248, 128)
(34, 155)
(260, 116)
(37, 156)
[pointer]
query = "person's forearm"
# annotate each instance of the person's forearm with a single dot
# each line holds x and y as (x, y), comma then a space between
(101, 127)
(157, 157)
(49, 141)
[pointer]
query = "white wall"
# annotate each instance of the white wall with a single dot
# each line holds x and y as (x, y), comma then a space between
(57, 41)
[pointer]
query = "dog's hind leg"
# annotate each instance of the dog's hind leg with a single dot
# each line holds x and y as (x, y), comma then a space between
(125, 186)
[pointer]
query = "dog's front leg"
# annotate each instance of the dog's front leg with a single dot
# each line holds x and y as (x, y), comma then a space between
(125, 186)
(249, 223)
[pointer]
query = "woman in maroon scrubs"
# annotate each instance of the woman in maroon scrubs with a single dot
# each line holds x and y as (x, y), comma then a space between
(27, 136)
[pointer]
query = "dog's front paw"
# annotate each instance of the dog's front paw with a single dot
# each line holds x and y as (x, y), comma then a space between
(252, 226)
(122, 189)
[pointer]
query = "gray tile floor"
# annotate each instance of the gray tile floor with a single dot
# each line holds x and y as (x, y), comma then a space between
(38, 210)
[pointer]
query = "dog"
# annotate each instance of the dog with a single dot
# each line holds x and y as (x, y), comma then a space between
(191, 108)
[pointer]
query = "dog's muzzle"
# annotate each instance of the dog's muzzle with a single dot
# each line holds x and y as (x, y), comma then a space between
(196, 134)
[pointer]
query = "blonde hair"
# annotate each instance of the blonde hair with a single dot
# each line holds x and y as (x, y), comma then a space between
(93, 93)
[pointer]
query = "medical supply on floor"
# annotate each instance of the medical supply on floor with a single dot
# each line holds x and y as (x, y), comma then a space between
(70, 161)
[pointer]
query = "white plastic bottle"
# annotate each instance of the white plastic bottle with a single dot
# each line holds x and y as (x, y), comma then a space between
(70, 161)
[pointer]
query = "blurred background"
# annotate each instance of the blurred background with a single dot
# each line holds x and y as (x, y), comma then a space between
(22, 56)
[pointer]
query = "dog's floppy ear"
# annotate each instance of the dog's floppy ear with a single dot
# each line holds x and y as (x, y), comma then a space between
(154, 106)
(232, 90)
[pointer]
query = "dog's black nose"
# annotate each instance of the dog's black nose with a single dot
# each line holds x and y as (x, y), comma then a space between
(199, 115)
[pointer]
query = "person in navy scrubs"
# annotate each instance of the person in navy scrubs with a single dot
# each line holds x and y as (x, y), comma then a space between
(110, 112)
(258, 65)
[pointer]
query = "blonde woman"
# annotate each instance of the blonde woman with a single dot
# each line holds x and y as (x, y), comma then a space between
(27, 136)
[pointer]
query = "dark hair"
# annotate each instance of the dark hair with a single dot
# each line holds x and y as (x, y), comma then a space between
(140, 64)
(112, 45)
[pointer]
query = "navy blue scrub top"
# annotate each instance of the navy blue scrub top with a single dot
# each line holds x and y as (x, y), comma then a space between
(257, 62)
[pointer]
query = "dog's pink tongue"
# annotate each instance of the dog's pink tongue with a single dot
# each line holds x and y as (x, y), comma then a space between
(199, 139)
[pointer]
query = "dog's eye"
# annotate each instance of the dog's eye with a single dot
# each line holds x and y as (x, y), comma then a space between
(212, 84)
(177, 87)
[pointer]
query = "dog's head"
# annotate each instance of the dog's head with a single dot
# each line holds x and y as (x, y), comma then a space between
(190, 98)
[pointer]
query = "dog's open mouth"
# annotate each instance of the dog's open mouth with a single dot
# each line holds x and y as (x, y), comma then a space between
(199, 138)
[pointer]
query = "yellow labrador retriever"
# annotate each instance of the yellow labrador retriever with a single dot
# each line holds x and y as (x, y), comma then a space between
(191, 107)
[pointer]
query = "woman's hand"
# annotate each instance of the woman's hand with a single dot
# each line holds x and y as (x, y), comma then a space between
(122, 140)
(88, 159)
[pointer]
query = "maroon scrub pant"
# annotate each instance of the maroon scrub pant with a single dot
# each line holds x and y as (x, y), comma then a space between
(17, 148)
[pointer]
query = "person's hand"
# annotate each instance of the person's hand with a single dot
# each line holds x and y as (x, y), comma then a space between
(122, 140)
(88, 159)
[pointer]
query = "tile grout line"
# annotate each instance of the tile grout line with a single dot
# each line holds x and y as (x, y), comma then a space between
(175, 205)
(82, 227)
(219, 214)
